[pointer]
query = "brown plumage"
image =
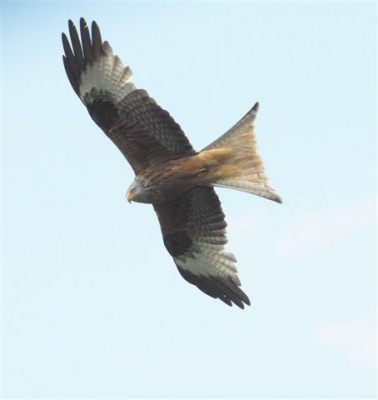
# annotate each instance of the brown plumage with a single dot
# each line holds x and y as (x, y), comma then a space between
(170, 174)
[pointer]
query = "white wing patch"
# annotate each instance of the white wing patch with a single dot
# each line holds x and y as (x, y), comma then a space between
(206, 260)
(106, 75)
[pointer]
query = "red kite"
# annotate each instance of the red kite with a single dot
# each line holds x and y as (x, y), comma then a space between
(169, 173)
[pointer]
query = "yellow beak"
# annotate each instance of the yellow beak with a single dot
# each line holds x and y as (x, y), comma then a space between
(129, 197)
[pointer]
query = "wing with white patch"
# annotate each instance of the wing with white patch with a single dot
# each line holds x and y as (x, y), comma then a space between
(194, 233)
(145, 133)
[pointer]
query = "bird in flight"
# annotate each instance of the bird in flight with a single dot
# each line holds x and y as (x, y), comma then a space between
(169, 174)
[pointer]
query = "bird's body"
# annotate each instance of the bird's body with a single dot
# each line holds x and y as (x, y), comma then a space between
(195, 170)
(169, 173)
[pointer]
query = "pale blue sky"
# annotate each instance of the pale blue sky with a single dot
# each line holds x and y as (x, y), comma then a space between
(92, 304)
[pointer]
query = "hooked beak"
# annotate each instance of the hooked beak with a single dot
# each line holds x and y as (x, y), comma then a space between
(129, 197)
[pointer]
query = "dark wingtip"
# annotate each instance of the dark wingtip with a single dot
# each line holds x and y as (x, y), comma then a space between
(95, 26)
(225, 300)
(76, 45)
(70, 63)
(86, 40)
(83, 23)
(96, 40)
(66, 46)
(256, 106)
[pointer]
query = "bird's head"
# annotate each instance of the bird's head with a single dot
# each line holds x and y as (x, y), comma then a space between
(136, 192)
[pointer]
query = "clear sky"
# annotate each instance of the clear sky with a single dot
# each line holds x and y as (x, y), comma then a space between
(92, 304)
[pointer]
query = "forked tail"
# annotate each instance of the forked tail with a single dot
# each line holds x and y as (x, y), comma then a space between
(242, 168)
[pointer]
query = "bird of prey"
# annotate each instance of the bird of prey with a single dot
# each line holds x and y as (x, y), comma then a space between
(169, 174)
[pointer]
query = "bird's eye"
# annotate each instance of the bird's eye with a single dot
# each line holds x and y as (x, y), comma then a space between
(132, 190)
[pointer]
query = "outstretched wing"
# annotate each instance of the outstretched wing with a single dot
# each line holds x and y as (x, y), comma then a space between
(194, 233)
(145, 133)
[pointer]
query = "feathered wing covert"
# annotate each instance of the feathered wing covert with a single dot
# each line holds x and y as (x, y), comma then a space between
(192, 224)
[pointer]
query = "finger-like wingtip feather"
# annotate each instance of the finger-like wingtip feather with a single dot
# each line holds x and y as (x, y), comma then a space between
(85, 39)
(234, 293)
(97, 41)
(69, 55)
(76, 44)
(70, 64)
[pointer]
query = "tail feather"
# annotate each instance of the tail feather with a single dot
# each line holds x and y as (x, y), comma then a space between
(244, 169)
